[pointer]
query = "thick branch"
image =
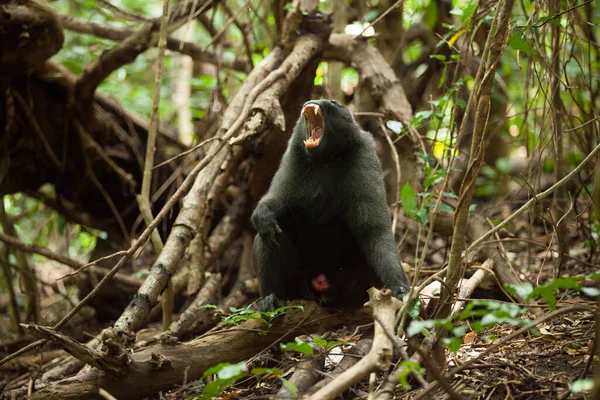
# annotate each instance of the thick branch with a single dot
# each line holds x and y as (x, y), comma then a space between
(378, 359)
(79, 350)
(105, 31)
(127, 51)
(30, 34)
(195, 206)
(189, 360)
(480, 100)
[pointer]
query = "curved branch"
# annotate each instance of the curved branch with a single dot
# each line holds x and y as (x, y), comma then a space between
(105, 31)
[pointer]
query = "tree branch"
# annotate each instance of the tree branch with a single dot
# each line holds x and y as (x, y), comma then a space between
(81, 25)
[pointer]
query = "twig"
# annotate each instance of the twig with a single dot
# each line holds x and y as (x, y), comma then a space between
(160, 69)
(143, 198)
(88, 140)
(193, 311)
(398, 172)
(97, 261)
(383, 14)
(38, 130)
(107, 198)
(185, 153)
(378, 358)
(535, 199)
(437, 375)
(105, 395)
(123, 13)
(13, 308)
(400, 345)
(467, 289)
(30, 248)
(562, 12)
(225, 26)
(242, 28)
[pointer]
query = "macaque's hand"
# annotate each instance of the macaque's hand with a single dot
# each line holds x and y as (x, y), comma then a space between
(266, 225)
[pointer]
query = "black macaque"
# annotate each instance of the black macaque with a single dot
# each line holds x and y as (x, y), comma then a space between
(324, 231)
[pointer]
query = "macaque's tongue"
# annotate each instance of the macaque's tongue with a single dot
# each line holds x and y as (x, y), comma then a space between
(316, 133)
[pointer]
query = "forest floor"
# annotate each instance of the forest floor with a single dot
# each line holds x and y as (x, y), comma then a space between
(539, 364)
(528, 367)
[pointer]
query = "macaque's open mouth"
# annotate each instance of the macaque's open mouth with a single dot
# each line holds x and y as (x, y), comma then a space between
(314, 125)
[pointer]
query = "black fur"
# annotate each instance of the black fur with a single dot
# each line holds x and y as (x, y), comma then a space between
(325, 213)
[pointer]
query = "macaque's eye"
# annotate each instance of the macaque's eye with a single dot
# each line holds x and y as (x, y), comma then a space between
(335, 102)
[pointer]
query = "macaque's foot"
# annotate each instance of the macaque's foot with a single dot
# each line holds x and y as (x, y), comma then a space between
(270, 303)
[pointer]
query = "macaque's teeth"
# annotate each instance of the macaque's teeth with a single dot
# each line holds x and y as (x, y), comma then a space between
(310, 143)
(315, 107)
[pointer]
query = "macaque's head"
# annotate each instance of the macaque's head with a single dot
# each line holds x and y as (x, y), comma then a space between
(325, 126)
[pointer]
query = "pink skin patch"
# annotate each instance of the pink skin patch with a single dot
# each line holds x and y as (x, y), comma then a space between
(320, 283)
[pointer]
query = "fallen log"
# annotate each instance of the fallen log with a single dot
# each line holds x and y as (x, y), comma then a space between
(166, 365)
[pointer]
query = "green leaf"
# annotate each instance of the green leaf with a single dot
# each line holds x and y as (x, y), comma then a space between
(450, 195)
(547, 18)
(298, 346)
(140, 274)
(453, 343)
(266, 371)
(590, 291)
(327, 344)
(408, 199)
(403, 378)
(581, 385)
(224, 366)
(232, 370)
(394, 126)
(289, 386)
(371, 14)
(446, 208)
(460, 102)
(524, 289)
(549, 298)
(430, 16)
(415, 327)
(430, 160)
(443, 77)
(414, 309)
(423, 216)
(439, 57)
(460, 330)
(517, 43)
(423, 114)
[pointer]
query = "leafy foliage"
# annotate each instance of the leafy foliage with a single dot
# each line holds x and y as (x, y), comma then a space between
(226, 374)
(480, 315)
(239, 315)
(547, 291)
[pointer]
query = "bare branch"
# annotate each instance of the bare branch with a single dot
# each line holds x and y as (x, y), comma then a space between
(81, 25)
